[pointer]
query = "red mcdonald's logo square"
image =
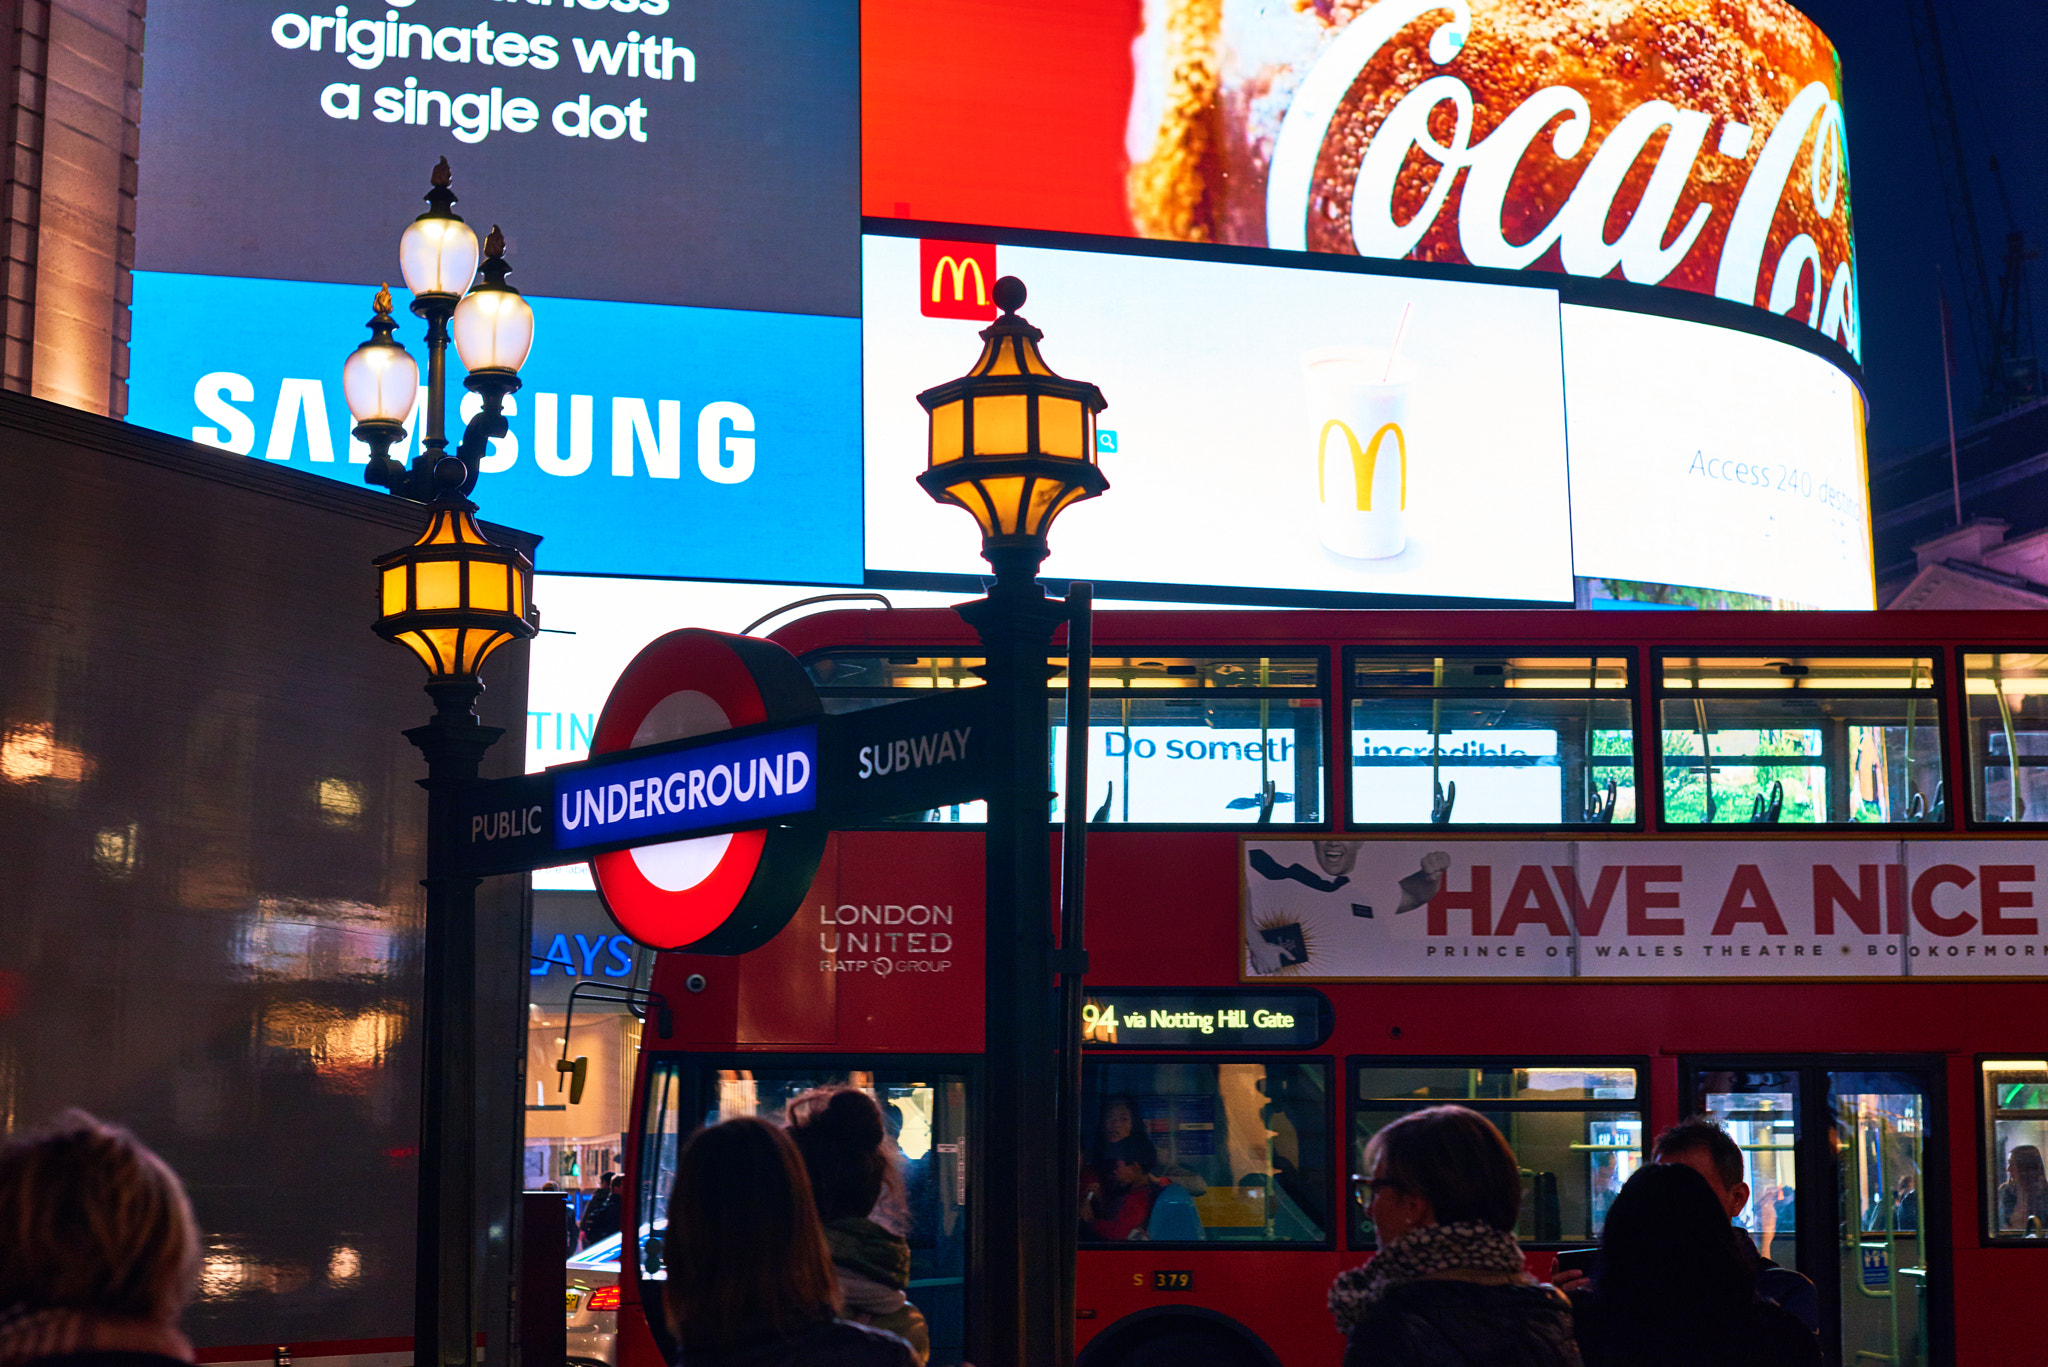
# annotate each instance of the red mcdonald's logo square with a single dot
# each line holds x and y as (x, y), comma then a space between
(957, 280)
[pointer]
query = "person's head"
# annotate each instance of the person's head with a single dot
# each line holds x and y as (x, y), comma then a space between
(1130, 1160)
(2024, 1166)
(1121, 1124)
(844, 1143)
(1336, 856)
(618, 1185)
(1119, 1118)
(1672, 1266)
(94, 1222)
(1445, 1165)
(1703, 1146)
(745, 1253)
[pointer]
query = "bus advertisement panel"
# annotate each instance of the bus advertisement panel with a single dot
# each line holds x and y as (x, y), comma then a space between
(1678, 910)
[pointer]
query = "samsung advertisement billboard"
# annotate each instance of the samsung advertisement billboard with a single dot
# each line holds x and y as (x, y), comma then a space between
(1407, 302)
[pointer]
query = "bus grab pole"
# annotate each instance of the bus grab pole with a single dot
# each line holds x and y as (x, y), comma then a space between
(1073, 955)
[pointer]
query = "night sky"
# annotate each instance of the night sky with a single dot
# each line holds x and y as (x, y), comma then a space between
(1995, 51)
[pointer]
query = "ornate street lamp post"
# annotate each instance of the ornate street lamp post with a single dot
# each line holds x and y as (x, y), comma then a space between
(452, 598)
(1014, 444)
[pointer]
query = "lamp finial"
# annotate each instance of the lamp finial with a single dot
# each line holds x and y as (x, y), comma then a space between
(440, 199)
(1010, 294)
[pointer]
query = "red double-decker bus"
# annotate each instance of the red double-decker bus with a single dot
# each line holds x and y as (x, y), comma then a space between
(1588, 873)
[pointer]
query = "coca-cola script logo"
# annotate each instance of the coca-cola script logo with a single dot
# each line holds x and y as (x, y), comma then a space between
(1660, 142)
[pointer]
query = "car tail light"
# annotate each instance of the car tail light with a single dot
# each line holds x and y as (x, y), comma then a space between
(604, 1298)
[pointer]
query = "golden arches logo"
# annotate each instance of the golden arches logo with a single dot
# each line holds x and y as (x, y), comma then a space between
(960, 265)
(1364, 461)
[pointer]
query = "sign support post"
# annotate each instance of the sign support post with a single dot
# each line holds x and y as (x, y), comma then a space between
(449, 1249)
(1014, 1225)
(1073, 955)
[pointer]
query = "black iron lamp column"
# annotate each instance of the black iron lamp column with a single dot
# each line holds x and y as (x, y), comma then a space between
(452, 598)
(1014, 444)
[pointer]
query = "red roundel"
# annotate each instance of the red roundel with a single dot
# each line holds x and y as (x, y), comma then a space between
(717, 894)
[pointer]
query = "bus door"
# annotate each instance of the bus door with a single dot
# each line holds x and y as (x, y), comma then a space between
(925, 1104)
(1844, 1176)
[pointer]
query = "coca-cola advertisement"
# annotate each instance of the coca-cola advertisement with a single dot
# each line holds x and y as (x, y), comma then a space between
(1656, 142)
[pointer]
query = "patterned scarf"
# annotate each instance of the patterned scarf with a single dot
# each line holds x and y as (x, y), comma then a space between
(27, 1333)
(1470, 1246)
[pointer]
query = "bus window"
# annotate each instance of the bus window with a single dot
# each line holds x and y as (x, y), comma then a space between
(2015, 1137)
(1491, 739)
(1760, 1111)
(850, 681)
(1800, 740)
(1216, 1152)
(660, 1140)
(1201, 740)
(926, 1111)
(2008, 736)
(1577, 1130)
(1185, 740)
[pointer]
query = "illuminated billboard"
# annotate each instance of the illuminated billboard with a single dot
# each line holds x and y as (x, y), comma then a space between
(1659, 142)
(1270, 428)
(1710, 457)
(635, 150)
(678, 186)
(672, 449)
(1369, 287)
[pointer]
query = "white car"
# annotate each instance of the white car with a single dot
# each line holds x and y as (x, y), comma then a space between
(594, 1300)
(594, 1304)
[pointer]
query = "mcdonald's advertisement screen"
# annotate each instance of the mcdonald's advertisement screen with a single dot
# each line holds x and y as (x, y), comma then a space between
(1279, 429)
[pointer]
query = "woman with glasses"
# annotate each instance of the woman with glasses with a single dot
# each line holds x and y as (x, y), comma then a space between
(1447, 1285)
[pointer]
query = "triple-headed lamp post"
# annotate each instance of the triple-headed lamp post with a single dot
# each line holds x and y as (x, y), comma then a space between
(1014, 444)
(452, 598)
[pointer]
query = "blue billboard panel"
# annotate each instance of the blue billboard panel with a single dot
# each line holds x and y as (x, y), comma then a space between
(648, 439)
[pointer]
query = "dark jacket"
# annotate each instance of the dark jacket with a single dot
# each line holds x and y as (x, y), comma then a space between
(1769, 1337)
(1781, 1286)
(1447, 1322)
(601, 1218)
(835, 1343)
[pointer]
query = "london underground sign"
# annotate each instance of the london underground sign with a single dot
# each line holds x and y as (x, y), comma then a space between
(713, 781)
(722, 891)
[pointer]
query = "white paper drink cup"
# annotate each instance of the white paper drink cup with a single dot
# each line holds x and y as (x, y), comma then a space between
(1359, 446)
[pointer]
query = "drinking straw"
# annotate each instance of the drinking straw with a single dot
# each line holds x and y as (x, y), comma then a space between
(1400, 331)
